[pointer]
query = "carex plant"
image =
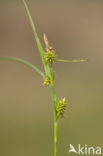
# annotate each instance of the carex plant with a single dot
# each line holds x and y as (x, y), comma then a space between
(48, 58)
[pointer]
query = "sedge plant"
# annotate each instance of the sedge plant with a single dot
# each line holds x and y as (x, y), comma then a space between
(48, 58)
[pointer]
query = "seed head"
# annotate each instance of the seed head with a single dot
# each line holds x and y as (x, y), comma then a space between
(61, 106)
(50, 57)
(46, 81)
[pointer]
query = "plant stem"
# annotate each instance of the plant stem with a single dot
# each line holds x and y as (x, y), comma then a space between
(47, 73)
(54, 99)
(55, 137)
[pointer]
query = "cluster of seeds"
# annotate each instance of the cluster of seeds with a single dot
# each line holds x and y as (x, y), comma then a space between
(50, 57)
(46, 81)
(61, 106)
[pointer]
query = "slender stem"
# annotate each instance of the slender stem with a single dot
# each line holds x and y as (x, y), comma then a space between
(48, 73)
(55, 137)
(30, 65)
(54, 99)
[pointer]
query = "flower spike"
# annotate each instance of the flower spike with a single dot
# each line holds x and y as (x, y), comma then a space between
(50, 54)
(61, 106)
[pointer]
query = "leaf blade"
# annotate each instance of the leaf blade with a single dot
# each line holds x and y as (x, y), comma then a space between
(73, 61)
(42, 53)
(23, 62)
(34, 30)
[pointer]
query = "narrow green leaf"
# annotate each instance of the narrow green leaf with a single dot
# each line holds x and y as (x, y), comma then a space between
(34, 30)
(42, 53)
(30, 65)
(74, 61)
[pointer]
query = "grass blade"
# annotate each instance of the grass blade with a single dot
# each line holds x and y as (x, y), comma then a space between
(42, 53)
(73, 61)
(34, 30)
(30, 65)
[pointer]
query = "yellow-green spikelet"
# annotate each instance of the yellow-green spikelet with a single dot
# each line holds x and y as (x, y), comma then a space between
(61, 106)
(46, 81)
(50, 56)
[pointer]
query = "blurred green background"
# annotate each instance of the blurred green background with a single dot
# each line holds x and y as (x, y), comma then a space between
(75, 29)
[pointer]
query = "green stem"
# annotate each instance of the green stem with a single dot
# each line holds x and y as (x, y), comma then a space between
(48, 73)
(54, 99)
(55, 137)
(30, 65)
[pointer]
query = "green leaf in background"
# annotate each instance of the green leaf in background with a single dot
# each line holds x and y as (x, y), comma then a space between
(30, 65)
